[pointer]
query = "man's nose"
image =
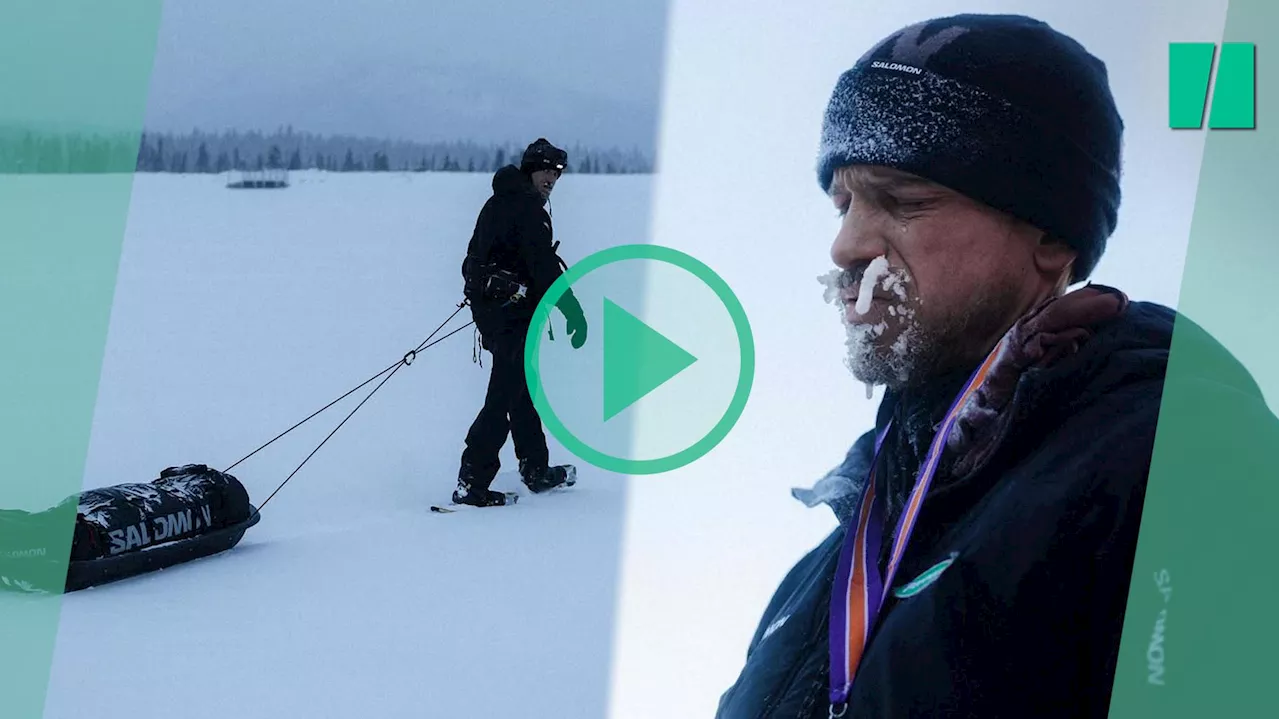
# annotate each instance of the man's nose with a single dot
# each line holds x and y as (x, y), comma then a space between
(858, 241)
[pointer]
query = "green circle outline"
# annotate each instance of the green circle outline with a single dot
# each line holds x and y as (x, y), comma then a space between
(746, 355)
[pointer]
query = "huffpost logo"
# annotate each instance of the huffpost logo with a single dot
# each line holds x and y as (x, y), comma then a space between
(1232, 91)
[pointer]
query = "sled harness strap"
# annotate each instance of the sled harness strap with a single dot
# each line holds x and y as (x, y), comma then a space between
(390, 371)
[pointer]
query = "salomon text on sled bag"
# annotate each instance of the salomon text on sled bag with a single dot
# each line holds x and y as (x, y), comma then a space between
(125, 530)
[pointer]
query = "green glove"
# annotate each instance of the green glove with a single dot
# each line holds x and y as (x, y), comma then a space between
(575, 321)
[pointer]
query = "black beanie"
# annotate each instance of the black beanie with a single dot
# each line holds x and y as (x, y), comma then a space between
(542, 155)
(1001, 108)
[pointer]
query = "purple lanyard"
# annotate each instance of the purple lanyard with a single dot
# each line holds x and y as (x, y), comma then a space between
(859, 591)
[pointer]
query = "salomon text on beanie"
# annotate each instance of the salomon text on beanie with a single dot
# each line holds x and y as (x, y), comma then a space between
(1001, 108)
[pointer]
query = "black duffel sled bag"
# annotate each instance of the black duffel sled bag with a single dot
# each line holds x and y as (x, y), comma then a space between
(125, 530)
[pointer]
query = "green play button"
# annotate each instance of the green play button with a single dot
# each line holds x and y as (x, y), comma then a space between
(637, 359)
(666, 369)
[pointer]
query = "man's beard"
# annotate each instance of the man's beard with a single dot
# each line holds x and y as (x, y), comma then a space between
(908, 344)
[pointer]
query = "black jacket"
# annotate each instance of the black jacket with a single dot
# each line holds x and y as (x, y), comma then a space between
(1041, 531)
(513, 232)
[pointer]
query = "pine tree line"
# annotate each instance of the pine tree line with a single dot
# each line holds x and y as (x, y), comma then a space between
(23, 152)
(205, 152)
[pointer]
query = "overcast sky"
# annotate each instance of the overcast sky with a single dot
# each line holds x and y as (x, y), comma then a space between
(570, 70)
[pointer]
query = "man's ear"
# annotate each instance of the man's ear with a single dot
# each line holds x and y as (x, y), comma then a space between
(1053, 257)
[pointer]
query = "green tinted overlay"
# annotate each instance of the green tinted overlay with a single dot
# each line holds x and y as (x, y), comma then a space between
(73, 77)
(1200, 623)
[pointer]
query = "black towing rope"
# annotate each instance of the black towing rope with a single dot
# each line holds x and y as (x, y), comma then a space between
(405, 361)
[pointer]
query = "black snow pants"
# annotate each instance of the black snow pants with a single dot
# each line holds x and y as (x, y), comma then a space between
(508, 407)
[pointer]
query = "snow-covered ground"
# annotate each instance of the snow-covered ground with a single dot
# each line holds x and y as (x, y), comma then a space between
(238, 313)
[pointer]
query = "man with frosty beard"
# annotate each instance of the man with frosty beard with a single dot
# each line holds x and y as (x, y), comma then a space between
(988, 522)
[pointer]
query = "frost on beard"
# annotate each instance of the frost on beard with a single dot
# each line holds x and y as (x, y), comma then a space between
(865, 358)
(895, 283)
(832, 283)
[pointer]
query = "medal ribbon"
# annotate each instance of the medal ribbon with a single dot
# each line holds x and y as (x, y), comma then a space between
(859, 591)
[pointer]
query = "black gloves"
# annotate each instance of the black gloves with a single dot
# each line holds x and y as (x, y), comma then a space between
(575, 321)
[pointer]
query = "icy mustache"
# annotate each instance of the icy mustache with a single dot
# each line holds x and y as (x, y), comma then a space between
(866, 278)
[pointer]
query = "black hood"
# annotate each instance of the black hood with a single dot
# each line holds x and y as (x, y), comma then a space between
(510, 180)
(1133, 347)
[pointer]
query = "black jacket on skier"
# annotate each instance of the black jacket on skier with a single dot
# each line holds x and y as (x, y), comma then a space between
(513, 246)
(511, 262)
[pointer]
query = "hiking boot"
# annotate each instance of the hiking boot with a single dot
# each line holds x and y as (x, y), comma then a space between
(544, 479)
(478, 496)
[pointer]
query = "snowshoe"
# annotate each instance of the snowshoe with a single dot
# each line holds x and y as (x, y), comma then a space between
(475, 501)
(471, 496)
(545, 479)
(482, 497)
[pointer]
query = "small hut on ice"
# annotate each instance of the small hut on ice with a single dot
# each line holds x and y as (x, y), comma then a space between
(266, 179)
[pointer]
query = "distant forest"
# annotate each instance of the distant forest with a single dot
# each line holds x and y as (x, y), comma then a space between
(28, 152)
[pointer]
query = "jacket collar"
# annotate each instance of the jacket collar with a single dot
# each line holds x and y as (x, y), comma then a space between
(1051, 344)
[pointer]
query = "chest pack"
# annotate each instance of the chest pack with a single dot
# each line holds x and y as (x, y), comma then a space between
(487, 281)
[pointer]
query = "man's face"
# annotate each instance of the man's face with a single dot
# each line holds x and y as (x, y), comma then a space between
(929, 280)
(545, 181)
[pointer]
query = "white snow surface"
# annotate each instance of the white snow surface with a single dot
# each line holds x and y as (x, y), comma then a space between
(238, 313)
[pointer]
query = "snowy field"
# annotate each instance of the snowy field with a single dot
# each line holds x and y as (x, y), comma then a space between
(238, 313)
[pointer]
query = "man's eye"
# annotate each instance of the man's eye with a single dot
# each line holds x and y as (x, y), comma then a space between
(908, 203)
